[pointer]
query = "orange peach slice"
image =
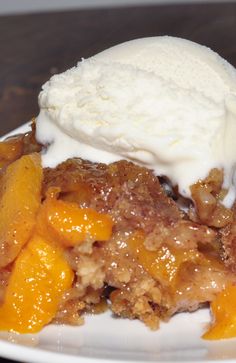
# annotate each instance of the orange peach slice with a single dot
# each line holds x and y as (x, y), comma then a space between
(10, 150)
(70, 225)
(224, 315)
(39, 278)
(20, 198)
(162, 265)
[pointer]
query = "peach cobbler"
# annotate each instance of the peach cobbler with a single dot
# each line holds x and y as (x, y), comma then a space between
(122, 195)
(84, 237)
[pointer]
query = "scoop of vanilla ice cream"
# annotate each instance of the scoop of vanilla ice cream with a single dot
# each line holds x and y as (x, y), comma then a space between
(166, 103)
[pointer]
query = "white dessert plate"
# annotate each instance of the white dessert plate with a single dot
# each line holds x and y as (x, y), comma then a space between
(105, 338)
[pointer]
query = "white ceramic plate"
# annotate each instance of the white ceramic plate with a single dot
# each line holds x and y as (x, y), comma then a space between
(105, 338)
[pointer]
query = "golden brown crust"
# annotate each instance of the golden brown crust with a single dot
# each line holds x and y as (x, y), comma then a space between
(228, 240)
(207, 195)
(135, 199)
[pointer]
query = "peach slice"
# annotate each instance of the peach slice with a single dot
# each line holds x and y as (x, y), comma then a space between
(20, 196)
(70, 225)
(10, 150)
(224, 315)
(163, 264)
(39, 278)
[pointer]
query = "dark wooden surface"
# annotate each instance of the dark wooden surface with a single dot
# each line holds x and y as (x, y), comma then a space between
(33, 47)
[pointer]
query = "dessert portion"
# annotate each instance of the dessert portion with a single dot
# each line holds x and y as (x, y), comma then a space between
(165, 103)
(123, 194)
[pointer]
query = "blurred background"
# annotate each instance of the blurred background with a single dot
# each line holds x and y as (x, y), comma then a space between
(20, 6)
